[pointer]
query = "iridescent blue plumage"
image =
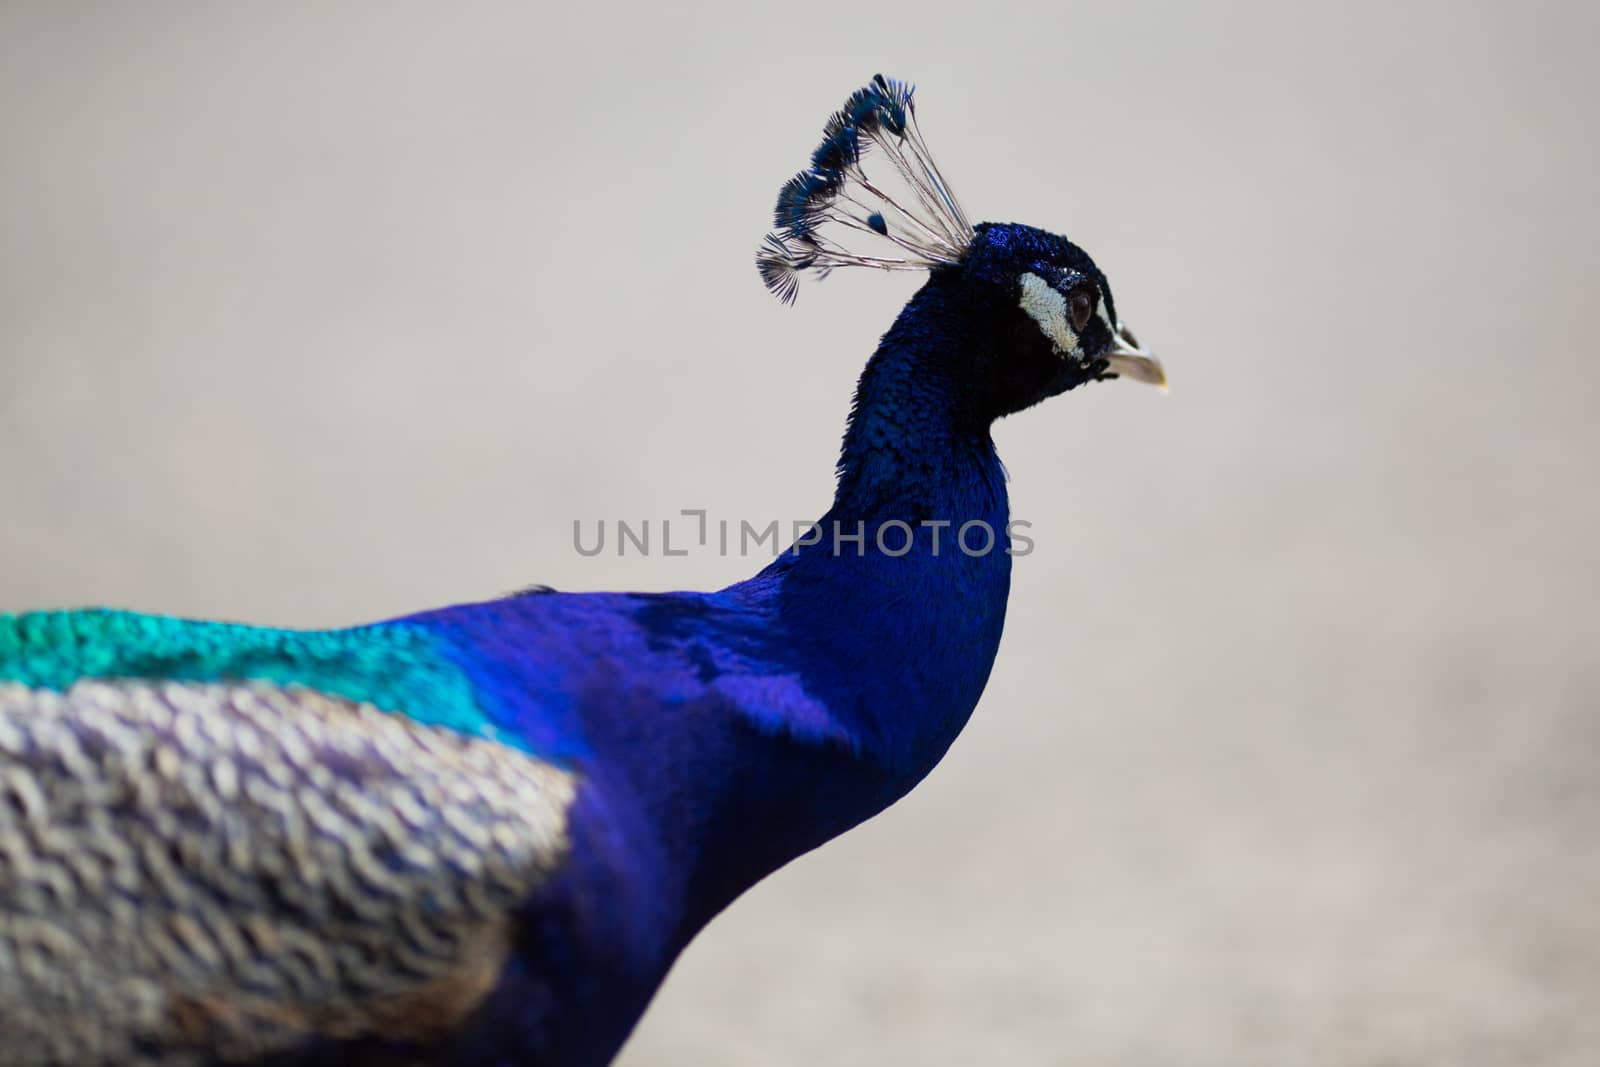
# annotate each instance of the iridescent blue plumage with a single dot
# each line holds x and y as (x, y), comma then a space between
(840, 148)
(799, 209)
(482, 834)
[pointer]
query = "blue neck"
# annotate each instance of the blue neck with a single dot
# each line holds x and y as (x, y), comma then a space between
(869, 663)
(720, 735)
(897, 645)
(915, 443)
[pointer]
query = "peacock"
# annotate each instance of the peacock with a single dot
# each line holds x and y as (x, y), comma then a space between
(482, 834)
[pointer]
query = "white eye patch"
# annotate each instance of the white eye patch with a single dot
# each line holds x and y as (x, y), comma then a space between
(1044, 305)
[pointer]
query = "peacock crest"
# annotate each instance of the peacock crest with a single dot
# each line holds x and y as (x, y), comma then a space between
(834, 200)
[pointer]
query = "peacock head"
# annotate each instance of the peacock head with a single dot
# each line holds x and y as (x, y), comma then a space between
(1045, 311)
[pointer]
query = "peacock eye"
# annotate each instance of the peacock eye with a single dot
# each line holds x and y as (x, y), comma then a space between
(1080, 305)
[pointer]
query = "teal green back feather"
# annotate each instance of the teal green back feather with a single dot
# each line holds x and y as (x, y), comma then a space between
(394, 666)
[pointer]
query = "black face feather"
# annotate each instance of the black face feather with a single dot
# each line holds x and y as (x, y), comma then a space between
(1003, 252)
(1008, 362)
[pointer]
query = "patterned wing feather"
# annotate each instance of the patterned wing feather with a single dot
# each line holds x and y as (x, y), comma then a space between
(192, 872)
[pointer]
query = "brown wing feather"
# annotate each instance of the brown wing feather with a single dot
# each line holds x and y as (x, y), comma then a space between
(192, 872)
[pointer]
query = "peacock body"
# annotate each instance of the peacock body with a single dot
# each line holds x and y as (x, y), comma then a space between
(482, 834)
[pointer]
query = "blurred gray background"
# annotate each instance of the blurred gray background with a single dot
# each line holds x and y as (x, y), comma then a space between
(316, 314)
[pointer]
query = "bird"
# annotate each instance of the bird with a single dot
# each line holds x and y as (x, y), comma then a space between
(483, 833)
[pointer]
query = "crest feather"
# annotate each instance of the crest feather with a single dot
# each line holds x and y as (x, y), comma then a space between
(922, 219)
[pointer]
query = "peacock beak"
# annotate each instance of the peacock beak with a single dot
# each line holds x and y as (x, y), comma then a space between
(1129, 360)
